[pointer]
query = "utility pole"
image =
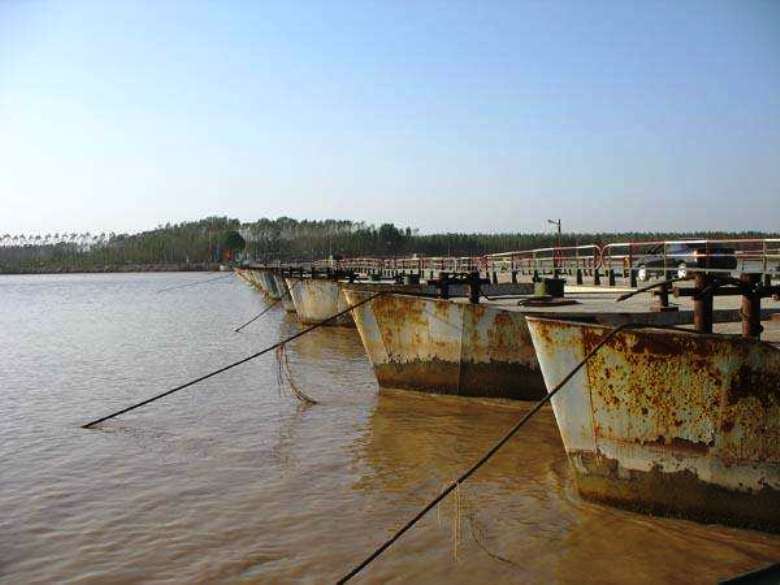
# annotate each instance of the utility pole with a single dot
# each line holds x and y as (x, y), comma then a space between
(558, 223)
(557, 260)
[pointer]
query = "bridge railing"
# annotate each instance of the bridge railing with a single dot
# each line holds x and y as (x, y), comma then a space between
(564, 259)
(632, 261)
(643, 261)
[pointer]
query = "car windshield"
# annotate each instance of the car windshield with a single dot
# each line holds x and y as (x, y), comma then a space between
(678, 249)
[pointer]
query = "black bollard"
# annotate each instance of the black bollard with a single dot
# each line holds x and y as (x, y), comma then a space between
(702, 305)
(474, 288)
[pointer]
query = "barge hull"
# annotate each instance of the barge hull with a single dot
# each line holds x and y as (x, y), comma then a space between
(438, 346)
(269, 285)
(678, 494)
(667, 422)
(316, 300)
(284, 290)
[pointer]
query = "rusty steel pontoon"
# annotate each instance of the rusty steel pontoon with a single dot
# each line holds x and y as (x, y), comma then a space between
(669, 422)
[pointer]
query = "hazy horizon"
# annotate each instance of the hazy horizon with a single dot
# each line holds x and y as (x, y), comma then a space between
(442, 116)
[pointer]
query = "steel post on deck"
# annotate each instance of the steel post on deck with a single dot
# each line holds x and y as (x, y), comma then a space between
(663, 295)
(597, 277)
(474, 284)
(702, 304)
(579, 276)
(661, 302)
(444, 285)
(611, 277)
(751, 306)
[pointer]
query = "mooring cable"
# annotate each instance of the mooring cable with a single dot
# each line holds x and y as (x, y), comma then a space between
(494, 449)
(288, 292)
(260, 314)
(628, 295)
(234, 364)
(195, 283)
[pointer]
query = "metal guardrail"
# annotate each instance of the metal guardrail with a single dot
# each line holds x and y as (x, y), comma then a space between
(632, 261)
(566, 259)
(646, 260)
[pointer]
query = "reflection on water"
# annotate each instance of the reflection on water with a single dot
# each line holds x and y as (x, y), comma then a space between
(230, 482)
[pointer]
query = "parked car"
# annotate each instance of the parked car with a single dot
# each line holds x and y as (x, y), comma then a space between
(679, 257)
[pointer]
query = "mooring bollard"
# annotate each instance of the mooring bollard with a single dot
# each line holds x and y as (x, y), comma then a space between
(597, 277)
(661, 302)
(663, 296)
(702, 304)
(444, 285)
(514, 277)
(495, 277)
(611, 277)
(751, 306)
(579, 276)
(632, 278)
(474, 283)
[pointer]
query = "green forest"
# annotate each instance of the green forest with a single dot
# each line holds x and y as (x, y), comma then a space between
(203, 244)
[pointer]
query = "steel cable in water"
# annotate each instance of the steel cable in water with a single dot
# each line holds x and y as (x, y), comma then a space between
(496, 447)
(195, 283)
(260, 314)
(285, 380)
(232, 365)
(268, 308)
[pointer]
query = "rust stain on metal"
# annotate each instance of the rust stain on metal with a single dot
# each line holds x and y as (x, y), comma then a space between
(316, 300)
(678, 444)
(757, 383)
(448, 347)
(668, 412)
(679, 494)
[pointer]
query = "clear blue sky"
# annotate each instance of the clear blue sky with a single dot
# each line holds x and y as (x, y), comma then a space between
(467, 116)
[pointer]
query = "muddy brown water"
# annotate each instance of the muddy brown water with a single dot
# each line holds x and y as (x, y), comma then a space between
(231, 482)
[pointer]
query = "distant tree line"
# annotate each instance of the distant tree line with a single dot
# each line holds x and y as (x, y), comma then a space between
(212, 240)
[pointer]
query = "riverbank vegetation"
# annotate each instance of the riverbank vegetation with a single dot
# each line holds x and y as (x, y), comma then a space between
(203, 244)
